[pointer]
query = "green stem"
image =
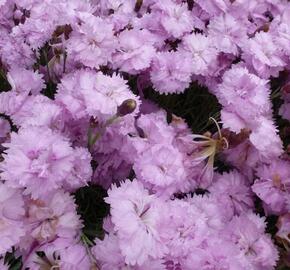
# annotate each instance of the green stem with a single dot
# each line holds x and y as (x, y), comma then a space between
(92, 139)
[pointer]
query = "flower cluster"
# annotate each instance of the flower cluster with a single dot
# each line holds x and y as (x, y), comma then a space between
(76, 112)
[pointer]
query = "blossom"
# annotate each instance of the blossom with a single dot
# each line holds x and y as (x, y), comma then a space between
(214, 7)
(87, 93)
(12, 215)
(240, 89)
(261, 53)
(184, 228)
(271, 145)
(135, 51)
(132, 205)
(92, 42)
(14, 52)
(227, 32)
(272, 185)
(39, 111)
(23, 80)
(160, 168)
(59, 253)
(37, 159)
(201, 50)
(171, 72)
(81, 171)
(233, 187)
(53, 217)
(247, 231)
(174, 18)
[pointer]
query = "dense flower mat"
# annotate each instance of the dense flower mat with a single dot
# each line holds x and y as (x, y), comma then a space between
(144, 134)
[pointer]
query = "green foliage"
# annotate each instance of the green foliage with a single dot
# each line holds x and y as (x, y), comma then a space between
(93, 209)
(15, 263)
(196, 105)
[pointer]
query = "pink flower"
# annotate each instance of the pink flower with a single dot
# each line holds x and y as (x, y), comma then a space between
(53, 217)
(61, 253)
(92, 42)
(135, 216)
(81, 171)
(135, 51)
(241, 89)
(247, 232)
(214, 7)
(273, 185)
(38, 159)
(87, 93)
(39, 111)
(161, 169)
(202, 52)
(227, 32)
(171, 72)
(12, 216)
(271, 145)
(23, 80)
(234, 188)
(174, 18)
(262, 54)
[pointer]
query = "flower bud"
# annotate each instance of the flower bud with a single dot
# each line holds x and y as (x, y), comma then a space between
(128, 106)
(138, 5)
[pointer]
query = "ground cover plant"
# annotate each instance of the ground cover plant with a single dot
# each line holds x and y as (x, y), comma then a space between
(145, 134)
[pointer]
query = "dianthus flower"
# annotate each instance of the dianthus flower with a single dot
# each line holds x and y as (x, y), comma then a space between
(92, 42)
(87, 93)
(171, 72)
(202, 52)
(38, 159)
(273, 186)
(135, 216)
(52, 217)
(12, 214)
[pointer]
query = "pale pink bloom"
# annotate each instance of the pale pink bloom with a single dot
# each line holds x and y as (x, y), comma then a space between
(12, 215)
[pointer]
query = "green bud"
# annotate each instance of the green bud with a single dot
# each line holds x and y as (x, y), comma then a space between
(128, 106)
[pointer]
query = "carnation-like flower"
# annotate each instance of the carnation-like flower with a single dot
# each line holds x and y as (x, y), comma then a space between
(183, 228)
(160, 168)
(214, 7)
(273, 185)
(135, 51)
(154, 129)
(271, 146)
(233, 188)
(12, 215)
(39, 111)
(59, 254)
(174, 18)
(263, 55)
(202, 52)
(23, 80)
(227, 33)
(53, 217)
(38, 159)
(81, 171)
(92, 42)
(14, 52)
(86, 93)
(171, 72)
(241, 89)
(247, 232)
(135, 218)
